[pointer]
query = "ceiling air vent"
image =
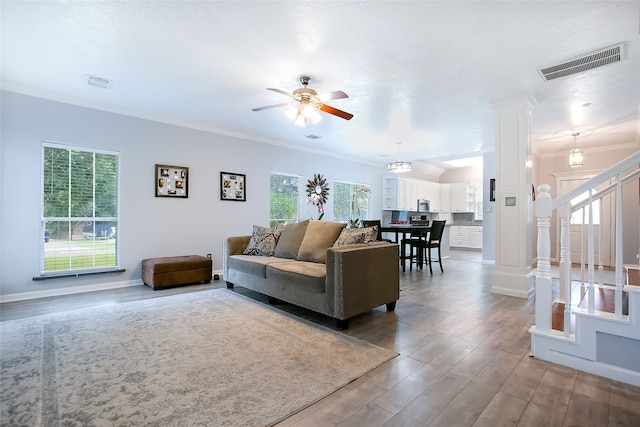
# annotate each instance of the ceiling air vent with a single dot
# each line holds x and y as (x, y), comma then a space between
(99, 82)
(604, 56)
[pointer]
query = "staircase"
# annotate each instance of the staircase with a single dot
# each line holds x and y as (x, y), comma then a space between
(591, 326)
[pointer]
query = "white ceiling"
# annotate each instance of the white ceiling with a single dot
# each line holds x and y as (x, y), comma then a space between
(423, 73)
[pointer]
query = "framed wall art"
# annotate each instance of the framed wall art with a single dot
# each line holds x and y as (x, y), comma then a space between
(233, 186)
(172, 181)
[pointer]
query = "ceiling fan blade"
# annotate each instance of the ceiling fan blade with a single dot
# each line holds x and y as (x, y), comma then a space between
(282, 104)
(281, 92)
(334, 111)
(338, 94)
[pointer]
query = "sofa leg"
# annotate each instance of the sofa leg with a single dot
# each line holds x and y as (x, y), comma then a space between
(343, 324)
(229, 285)
(391, 306)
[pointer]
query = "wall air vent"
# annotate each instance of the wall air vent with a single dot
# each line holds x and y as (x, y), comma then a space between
(99, 82)
(604, 56)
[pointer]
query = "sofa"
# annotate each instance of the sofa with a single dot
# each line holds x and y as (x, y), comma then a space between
(319, 265)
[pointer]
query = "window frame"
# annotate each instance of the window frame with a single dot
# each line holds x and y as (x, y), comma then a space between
(337, 204)
(93, 220)
(280, 221)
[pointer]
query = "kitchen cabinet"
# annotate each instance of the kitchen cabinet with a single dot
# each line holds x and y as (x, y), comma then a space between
(445, 197)
(459, 236)
(462, 197)
(475, 237)
(431, 192)
(399, 193)
(389, 192)
(463, 236)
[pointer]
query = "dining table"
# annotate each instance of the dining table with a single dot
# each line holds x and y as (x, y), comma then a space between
(404, 232)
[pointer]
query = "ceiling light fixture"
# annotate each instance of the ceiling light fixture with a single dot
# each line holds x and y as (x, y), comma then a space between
(575, 155)
(399, 166)
(303, 113)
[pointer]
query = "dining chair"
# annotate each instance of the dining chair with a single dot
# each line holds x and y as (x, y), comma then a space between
(375, 223)
(413, 242)
(422, 246)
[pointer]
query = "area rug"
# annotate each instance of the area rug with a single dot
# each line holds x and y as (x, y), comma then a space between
(210, 358)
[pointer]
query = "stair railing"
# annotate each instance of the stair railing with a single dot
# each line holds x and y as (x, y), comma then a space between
(544, 207)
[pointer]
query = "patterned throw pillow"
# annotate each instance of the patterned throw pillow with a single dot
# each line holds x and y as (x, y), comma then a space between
(352, 236)
(263, 241)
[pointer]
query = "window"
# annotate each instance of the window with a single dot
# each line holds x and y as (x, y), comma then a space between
(79, 209)
(284, 196)
(350, 202)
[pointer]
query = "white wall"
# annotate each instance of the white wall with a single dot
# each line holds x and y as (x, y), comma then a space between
(149, 226)
(488, 216)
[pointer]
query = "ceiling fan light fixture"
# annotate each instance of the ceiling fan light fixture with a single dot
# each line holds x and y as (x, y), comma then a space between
(575, 156)
(311, 113)
(301, 120)
(399, 167)
(292, 113)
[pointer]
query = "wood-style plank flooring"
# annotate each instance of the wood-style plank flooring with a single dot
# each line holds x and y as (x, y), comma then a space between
(464, 358)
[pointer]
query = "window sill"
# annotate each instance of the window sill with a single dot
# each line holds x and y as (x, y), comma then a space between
(79, 274)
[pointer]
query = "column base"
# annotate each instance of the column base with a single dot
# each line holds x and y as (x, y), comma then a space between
(514, 284)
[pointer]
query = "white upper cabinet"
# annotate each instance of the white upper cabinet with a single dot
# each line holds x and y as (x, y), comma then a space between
(431, 192)
(462, 198)
(400, 193)
(445, 197)
(389, 192)
(403, 194)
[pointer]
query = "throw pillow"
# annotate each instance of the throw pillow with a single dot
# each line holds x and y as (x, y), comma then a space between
(320, 236)
(263, 241)
(351, 236)
(291, 239)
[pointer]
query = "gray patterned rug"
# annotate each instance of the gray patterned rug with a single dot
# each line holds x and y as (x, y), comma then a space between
(210, 358)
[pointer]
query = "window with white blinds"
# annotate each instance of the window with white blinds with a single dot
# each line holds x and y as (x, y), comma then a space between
(79, 209)
(284, 198)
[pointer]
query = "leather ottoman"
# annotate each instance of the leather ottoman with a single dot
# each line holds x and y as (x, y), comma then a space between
(166, 272)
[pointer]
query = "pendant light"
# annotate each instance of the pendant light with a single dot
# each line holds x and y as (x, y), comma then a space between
(399, 166)
(575, 155)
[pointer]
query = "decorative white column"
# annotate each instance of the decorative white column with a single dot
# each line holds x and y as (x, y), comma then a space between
(513, 273)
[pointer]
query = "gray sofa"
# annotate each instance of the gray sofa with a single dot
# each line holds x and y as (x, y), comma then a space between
(318, 265)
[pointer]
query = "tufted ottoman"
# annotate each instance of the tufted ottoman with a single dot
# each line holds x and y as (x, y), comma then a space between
(165, 272)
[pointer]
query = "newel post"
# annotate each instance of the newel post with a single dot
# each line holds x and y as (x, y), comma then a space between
(543, 275)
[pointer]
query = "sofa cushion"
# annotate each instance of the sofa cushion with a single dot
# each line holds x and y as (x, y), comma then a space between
(263, 241)
(252, 264)
(310, 276)
(290, 239)
(320, 236)
(351, 236)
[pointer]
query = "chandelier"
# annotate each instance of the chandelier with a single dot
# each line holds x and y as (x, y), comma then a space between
(575, 155)
(399, 166)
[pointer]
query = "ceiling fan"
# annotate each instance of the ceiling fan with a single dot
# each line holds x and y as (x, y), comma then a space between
(305, 103)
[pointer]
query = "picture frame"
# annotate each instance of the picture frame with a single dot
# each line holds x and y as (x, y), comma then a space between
(172, 181)
(233, 186)
(492, 190)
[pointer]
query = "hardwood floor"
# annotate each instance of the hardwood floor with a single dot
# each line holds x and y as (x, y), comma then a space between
(464, 358)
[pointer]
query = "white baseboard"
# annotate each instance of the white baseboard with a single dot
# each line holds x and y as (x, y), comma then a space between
(68, 291)
(75, 290)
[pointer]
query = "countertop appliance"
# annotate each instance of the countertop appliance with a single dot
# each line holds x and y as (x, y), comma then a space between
(423, 205)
